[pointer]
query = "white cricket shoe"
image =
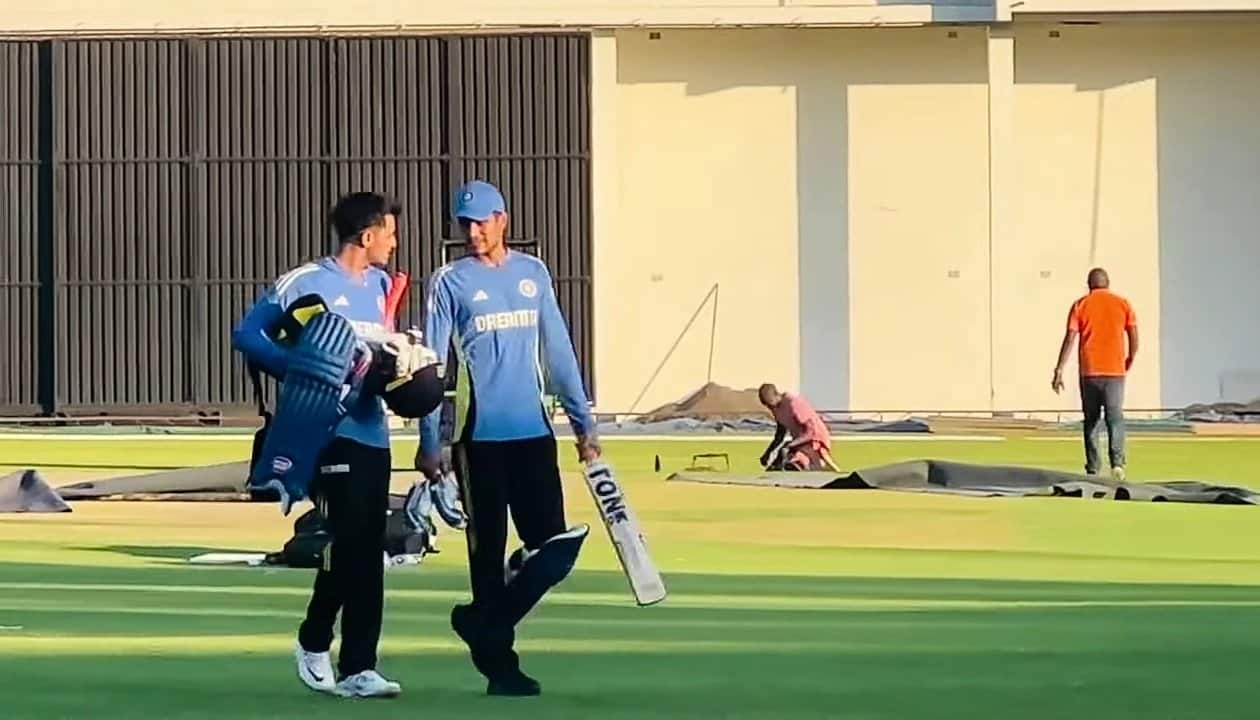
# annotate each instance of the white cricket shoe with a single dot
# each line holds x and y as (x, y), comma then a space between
(367, 684)
(315, 670)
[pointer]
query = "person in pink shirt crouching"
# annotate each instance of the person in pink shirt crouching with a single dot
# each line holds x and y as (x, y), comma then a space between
(810, 444)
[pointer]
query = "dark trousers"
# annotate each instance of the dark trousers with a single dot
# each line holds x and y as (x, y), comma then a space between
(1103, 397)
(352, 492)
(521, 477)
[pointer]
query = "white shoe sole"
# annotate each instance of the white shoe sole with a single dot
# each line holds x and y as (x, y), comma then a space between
(310, 681)
(316, 687)
(383, 693)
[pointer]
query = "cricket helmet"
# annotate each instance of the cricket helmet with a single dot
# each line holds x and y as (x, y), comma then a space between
(418, 394)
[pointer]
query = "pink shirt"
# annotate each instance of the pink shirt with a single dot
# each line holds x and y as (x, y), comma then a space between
(798, 416)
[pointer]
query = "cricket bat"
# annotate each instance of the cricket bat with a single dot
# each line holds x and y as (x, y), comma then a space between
(625, 533)
(399, 283)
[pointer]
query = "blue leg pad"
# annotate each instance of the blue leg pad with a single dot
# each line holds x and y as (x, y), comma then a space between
(542, 571)
(309, 407)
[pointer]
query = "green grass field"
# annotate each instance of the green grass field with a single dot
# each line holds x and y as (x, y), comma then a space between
(784, 603)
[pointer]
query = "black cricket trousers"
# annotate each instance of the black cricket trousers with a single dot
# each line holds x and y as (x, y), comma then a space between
(520, 477)
(352, 492)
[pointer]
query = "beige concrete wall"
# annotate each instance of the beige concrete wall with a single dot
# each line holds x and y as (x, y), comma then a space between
(736, 159)
(835, 185)
(1087, 194)
(706, 193)
(1138, 151)
(918, 223)
(393, 15)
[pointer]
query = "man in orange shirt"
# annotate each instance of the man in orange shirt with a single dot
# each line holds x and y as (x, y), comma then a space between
(1103, 320)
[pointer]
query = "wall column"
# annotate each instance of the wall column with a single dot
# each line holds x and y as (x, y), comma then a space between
(604, 200)
(1002, 195)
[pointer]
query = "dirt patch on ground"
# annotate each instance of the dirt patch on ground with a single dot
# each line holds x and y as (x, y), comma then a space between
(712, 402)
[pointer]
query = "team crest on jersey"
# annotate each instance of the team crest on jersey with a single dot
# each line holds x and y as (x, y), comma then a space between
(528, 288)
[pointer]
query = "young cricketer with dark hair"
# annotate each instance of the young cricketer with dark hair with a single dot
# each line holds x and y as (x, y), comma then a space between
(352, 488)
(513, 346)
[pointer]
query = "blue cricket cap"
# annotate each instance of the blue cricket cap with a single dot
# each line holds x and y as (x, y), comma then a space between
(478, 200)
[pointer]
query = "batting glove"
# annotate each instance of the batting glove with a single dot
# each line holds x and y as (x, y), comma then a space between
(445, 493)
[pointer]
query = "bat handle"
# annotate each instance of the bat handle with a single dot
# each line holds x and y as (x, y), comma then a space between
(397, 290)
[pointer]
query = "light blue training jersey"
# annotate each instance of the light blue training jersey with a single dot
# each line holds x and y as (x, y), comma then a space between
(513, 349)
(358, 298)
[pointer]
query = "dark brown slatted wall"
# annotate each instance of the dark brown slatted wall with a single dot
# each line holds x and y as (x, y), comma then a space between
(265, 187)
(122, 187)
(390, 135)
(170, 181)
(20, 79)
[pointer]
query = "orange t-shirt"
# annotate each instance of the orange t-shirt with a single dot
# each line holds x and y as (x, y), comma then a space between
(1101, 318)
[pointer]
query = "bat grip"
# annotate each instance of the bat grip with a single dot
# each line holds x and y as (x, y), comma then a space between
(399, 283)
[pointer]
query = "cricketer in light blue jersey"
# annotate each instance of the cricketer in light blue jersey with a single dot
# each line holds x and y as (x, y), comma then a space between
(349, 477)
(512, 345)
(499, 308)
(360, 298)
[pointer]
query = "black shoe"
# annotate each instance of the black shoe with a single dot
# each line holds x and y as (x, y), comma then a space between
(516, 684)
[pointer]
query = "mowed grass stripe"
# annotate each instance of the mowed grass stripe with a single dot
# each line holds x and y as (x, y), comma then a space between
(692, 600)
(279, 642)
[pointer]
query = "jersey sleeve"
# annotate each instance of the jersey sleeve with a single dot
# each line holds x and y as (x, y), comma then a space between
(563, 375)
(439, 323)
(1130, 317)
(252, 336)
(294, 284)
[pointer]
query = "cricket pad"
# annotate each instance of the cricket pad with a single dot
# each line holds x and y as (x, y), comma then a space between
(952, 478)
(309, 407)
(26, 491)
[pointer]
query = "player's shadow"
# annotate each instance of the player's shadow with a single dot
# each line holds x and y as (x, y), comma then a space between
(167, 554)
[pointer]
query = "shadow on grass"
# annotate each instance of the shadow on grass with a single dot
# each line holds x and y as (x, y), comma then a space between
(168, 554)
(92, 466)
(716, 587)
(1111, 683)
(159, 641)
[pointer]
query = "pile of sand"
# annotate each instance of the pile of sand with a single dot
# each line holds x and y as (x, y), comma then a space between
(712, 402)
